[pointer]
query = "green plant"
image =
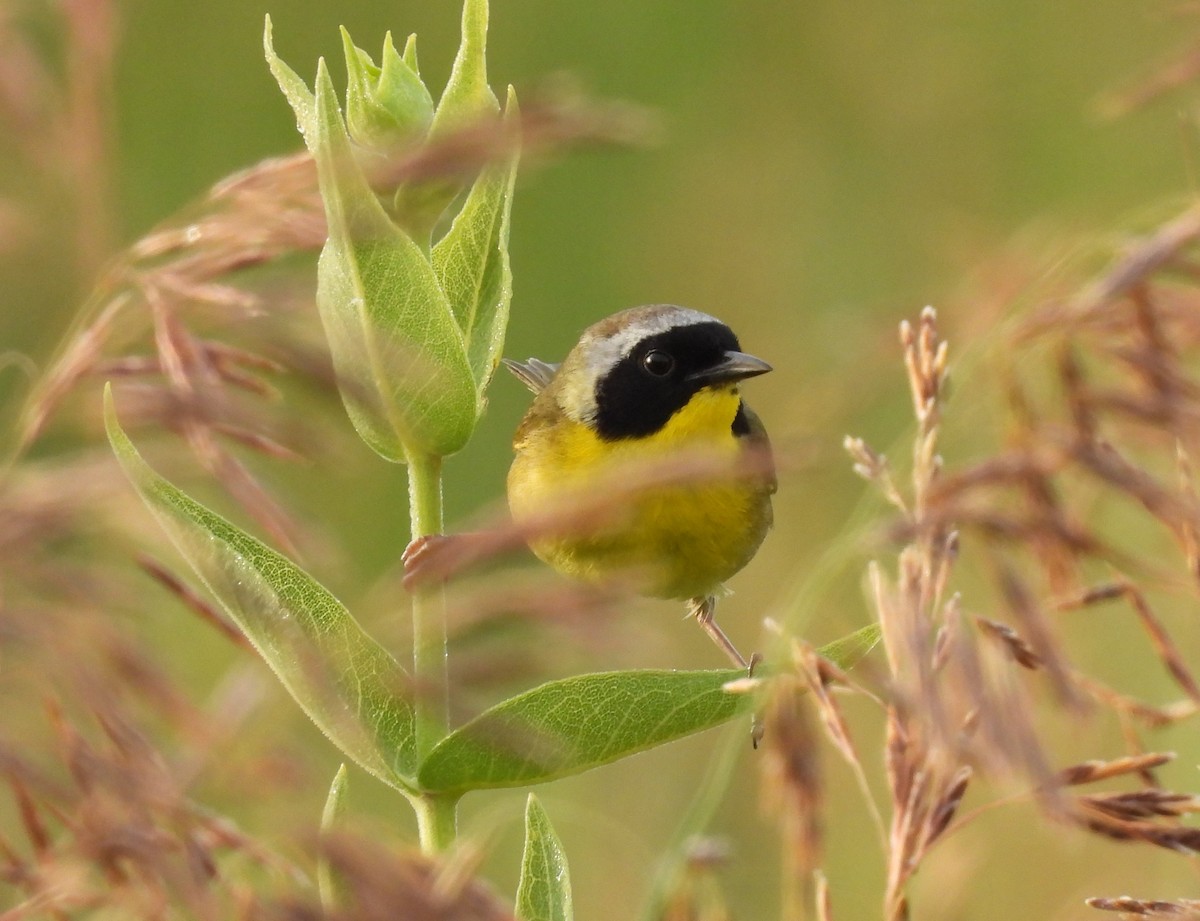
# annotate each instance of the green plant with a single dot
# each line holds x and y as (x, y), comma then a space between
(415, 312)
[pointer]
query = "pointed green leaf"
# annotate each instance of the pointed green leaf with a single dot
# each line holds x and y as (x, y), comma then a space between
(335, 801)
(467, 99)
(544, 893)
(294, 89)
(852, 648)
(329, 887)
(467, 95)
(400, 356)
(472, 263)
(575, 724)
(578, 723)
(347, 683)
(385, 105)
(410, 55)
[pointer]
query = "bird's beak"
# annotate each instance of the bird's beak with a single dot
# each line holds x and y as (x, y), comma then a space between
(735, 366)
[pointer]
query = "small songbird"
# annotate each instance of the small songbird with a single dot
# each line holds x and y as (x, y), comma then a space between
(647, 389)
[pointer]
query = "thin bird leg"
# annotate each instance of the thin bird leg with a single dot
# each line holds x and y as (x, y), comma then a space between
(704, 610)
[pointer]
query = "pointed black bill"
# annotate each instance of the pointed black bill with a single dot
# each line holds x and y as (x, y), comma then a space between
(734, 366)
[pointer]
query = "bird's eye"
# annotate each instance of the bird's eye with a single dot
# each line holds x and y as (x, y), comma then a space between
(658, 363)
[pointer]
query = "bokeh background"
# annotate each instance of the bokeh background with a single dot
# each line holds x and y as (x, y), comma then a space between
(818, 171)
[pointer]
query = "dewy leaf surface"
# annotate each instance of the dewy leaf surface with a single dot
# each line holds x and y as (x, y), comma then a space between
(472, 262)
(347, 683)
(568, 726)
(386, 105)
(294, 89)
(544, 893)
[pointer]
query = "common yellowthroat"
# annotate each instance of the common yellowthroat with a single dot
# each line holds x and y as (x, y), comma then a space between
(648, 389)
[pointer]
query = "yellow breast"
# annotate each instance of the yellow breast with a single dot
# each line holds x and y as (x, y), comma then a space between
(681, 519)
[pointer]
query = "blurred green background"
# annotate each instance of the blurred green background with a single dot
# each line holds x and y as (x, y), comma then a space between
(823, 170)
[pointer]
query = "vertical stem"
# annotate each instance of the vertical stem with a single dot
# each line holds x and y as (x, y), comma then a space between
(436, 815)
(437, 821)
(428, 608)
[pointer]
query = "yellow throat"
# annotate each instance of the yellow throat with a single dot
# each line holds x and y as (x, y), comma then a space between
(674, 534)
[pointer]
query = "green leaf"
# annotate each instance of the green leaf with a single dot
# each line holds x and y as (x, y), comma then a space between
(467, 95)
(544, 893)
(329, 887)
(400, 356)
(334, 802)
(575, 724)
(852, 648)
(385, 105)
(294, 89)
(467, 99)
(578, 723)
(472, 263)
(410, 55)
(347, 683)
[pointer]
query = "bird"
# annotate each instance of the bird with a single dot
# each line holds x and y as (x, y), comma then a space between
(643, 425)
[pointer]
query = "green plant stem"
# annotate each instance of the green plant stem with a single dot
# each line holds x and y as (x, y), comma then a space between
(437, 821)
(436, 816)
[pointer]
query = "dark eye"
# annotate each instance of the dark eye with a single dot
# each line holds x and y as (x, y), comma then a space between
(658, 363)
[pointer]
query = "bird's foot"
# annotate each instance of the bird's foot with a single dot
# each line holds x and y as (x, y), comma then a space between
(755, 659)
(704, 610)
(424, 560)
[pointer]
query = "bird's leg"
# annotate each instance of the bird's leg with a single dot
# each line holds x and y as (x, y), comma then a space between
(704, 609)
